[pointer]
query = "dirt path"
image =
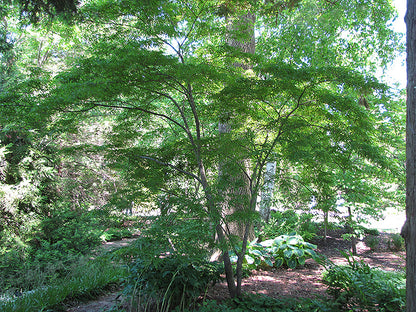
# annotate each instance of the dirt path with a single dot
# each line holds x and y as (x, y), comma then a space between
(109, 301)
(101, 304)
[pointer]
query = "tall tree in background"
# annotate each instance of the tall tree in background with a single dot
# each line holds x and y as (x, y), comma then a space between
(409, 230)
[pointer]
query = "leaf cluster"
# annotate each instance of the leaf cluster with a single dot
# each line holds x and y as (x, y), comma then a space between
(169, 282)
(290, 250)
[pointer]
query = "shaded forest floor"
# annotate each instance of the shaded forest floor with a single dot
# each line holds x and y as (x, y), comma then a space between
(303, 282)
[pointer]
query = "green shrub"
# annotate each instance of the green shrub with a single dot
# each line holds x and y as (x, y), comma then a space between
(373, 242)
(289, 221)
(396, 242)
(68, 232)
(289, 250)
(262, 303)
(170, 281)
(112, 234)
(359, 287)
(373, 232)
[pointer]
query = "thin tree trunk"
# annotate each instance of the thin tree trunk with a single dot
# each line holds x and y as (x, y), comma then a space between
(267, 192)
(410, 233)
(350, 228)
(326, 214)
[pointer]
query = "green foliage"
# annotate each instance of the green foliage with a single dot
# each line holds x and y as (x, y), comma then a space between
(87, 279)
(169, 266)
(289, 221)
(262, 303)
(289, 250)
(373, 232)
(357, 286)
(46, 250)
(396, 242)
(169, 281)
(113, 234)
(165, 75)
(373, 242)
(26, 176)
(67, 232)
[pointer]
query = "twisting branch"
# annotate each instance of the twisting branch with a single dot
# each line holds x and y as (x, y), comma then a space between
(98, 104)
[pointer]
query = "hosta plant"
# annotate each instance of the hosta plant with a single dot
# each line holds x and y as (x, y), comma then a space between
(290, 250)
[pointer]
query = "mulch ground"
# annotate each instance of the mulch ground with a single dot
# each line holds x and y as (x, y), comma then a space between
(305, 282)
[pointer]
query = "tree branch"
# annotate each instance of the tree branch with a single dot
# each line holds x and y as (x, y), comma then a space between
(172, 166)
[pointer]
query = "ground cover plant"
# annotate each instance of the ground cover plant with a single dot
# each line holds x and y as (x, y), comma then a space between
(357, 286)
(54, 251)
(87, 279)
(289, 250)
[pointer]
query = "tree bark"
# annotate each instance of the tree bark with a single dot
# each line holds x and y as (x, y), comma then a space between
(236, 192)
(410, 233)
(350, 227)
(233, 177)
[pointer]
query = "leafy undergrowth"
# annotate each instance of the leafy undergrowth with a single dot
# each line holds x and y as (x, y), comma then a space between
(91, 279)
(271, 290)
(301, 289)
(51, 263)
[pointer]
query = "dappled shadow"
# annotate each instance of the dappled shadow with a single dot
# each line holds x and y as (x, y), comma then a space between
(305, 282)
(302, 282)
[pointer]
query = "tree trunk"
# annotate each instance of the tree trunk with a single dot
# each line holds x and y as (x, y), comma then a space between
(267, 192)
(410, 233)
(350, 227)
(326, 216)
(236, 185)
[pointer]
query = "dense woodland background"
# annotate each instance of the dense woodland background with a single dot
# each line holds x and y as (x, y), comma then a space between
(234, 131)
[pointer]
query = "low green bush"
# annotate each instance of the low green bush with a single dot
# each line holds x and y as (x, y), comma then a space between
(113, 234)
(370, 231)
(171, 281)
(67, 232)
(289, 250)
(396, 243)
(358, 287)
(289, 221)
(373, 242)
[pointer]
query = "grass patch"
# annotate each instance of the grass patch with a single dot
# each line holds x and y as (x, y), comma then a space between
(88, 281)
